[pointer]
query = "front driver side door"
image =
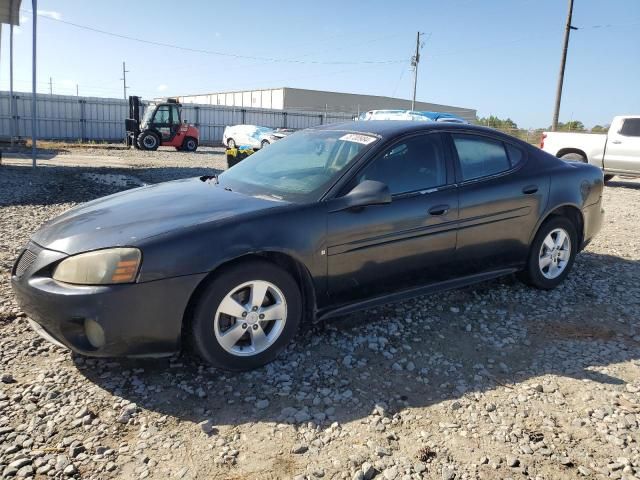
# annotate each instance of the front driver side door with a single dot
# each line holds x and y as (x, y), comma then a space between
(386, 248)
(162, 122)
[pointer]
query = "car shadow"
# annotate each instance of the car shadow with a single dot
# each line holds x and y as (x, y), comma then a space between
(417, 353)
(624, 182)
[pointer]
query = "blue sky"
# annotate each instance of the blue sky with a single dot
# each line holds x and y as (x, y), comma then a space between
(498, 56)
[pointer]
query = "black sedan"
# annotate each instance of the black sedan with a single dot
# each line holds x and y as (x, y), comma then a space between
(327, 221)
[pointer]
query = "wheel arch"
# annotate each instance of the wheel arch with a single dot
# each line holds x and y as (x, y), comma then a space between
(564, 151)
(297, 269)
(568, 210)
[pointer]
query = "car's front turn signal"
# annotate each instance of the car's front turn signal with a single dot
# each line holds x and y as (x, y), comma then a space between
(100, 267)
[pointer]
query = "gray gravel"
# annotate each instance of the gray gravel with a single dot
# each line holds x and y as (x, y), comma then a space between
(496, 381)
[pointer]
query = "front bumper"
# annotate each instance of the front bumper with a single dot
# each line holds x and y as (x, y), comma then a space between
(140, 319)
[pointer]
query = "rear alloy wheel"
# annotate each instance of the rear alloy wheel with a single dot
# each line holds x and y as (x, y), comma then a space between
(190, 144)
(231, 143)
(552, 254)
(573, 157)
(247, 315)
(148, 141)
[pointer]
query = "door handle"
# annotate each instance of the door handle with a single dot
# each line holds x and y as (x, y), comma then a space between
(439, 210)
(529, 189)
(617, 142)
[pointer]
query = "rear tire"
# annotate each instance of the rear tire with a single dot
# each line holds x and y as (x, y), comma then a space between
(255, 339)
(549, 250)
(190, 144)
(148, 141)
(264, 143)
(574, 157)
(608, 178)
(231, 143)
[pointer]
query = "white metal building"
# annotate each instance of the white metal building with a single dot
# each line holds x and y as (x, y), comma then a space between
(297, 99)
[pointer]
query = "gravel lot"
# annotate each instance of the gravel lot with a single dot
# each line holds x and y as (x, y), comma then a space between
(496, 381)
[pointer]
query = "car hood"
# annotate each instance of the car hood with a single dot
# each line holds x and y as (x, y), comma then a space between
(128, 217)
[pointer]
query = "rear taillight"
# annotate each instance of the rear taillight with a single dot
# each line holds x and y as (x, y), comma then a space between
(544, 135)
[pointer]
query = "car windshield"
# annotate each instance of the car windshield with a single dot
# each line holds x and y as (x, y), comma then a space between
(151, 108)
(298, 168)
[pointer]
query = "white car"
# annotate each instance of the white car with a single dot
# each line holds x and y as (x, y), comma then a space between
(252, 136)
(413, 115)
(393, 115)
(616, 153)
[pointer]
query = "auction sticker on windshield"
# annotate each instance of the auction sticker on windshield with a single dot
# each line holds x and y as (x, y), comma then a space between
(358, 138)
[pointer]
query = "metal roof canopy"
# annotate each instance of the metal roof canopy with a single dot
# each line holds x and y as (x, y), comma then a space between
(10, 14)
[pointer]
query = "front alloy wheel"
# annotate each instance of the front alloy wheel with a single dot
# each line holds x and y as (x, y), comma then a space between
(250, 318)
(246, 315)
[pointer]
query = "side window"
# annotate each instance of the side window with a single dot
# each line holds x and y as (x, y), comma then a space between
(417, 163)
(162, 115)
(480, 156)
(631, 127)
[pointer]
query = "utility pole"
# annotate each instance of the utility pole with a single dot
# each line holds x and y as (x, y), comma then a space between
(34, 107)
(414, 63)
(563, 62)
(11, 113)
(124, 79)
(50, 86)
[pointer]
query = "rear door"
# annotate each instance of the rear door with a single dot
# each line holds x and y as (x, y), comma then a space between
(386, 248)
(175, 121)
(501, 198)
(623, 148)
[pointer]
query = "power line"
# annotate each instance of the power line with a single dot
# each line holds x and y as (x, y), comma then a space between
(214, 52)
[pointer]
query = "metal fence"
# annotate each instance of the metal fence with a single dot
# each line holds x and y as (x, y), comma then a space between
(69, 118)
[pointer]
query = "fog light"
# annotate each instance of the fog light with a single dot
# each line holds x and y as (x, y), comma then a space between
(94, 333)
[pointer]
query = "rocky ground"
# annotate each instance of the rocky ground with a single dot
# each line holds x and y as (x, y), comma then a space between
(496, 381)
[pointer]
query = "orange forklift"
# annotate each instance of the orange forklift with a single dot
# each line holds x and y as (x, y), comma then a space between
(161, 126)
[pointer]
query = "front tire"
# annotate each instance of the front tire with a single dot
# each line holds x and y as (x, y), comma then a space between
(552, 254)
(231, 143)
(264, 143)
(148, 141)
(607, 178)
(246, 316)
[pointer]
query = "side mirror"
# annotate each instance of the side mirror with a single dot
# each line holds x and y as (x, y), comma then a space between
(367, 193)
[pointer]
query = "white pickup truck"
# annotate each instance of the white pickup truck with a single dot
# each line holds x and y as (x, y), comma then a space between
(616, 153)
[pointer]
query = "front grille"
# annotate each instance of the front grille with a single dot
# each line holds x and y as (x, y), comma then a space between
(25, 261)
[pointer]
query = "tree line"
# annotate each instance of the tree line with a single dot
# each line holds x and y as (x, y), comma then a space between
(509, 125)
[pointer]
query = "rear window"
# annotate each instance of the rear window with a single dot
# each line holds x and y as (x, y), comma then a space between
(631, 127)
(480, 156)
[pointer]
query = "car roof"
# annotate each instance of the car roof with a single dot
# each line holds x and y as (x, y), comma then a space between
(393, 128)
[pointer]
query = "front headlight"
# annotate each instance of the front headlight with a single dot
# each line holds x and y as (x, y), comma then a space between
(101, 267)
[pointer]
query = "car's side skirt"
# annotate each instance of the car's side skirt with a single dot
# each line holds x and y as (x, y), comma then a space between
(413, 292)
